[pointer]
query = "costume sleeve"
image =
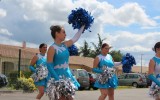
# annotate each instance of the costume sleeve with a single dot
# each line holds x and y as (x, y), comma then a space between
(52, 71)
(78, 34)
(97, 70)
(32, 68)
(154, 79)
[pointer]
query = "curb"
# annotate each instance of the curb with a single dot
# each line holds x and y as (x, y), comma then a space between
(10, 91)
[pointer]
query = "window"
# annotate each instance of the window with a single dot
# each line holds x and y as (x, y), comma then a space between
(1, 80)
(135, 76)
(82, 73)
(131, 76)
(121, 77)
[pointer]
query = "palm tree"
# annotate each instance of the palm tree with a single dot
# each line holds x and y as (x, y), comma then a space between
(117, 55)
(85, 50)
(97, 48)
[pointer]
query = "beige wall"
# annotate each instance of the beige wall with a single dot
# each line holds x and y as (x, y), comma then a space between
(8, 60)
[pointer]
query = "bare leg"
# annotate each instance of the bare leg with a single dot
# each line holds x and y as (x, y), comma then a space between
(157, 98)
(103, 94)
(41, 92)
(110, 93)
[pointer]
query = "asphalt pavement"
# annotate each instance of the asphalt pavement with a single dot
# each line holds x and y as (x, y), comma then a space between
(120, 94)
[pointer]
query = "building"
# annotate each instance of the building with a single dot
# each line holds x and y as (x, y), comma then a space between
(87, 64)
(77, 62)
(135, 69)
(9, 60)
(9, 57)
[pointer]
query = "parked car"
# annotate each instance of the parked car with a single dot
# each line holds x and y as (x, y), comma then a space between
(82, 77)
(92, 79)
(149, 82)
(132, 79)
(3, 80)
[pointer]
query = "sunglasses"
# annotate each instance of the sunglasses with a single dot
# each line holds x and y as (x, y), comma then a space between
(107, 48)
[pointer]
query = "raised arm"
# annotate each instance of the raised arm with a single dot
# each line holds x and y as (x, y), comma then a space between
(50, 55)
(75, 37)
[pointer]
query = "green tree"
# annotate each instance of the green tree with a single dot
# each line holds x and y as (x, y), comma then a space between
(117, 55)
(97, 48)
(85, 50)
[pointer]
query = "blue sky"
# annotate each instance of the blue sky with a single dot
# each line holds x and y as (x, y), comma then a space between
(131, 26)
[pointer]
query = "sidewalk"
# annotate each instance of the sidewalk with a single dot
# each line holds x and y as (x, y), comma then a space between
(8, 90)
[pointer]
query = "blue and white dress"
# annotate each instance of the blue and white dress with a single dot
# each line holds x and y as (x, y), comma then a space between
(106, 61)
(41, 60)
(156, 71)
(61, 63)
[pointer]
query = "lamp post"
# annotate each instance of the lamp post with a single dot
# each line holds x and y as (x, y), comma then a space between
(141, 63)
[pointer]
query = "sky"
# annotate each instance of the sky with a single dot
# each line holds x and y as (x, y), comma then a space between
(131, 26)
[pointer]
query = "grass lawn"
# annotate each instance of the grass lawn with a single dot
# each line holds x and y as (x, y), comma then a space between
(125, 87)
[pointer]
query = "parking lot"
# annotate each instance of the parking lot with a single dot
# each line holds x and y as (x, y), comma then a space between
(120, 94)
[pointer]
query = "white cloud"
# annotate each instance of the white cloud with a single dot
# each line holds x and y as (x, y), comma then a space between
(46, 10)
(57, 11)
(6, 40)
(135, 48)
(129, 13)
(136, 44)
(5, 32)
(49, 12)
(3, 13)
(157, 17)
(123, 39)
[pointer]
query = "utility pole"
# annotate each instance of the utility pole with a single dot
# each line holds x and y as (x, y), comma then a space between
(19, 63)
(141, 63)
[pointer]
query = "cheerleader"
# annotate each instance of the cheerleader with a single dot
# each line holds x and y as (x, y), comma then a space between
(101, 62)
(58, 55)
(154, 72)
(38, 60)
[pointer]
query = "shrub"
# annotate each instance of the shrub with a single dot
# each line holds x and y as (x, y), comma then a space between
(26, 74)
(26, 84)
(12, 78)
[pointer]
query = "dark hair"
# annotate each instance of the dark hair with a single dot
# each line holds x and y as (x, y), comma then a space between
(104, 45)
(157, 45)
(54, 29)
(41, 45)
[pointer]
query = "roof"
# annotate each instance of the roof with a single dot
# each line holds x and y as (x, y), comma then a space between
(137, 69)
(13, 51)
(77, 60)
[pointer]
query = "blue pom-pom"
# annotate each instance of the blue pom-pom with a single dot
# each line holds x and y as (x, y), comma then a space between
(128, 61)
(80, 17)
(73, 50)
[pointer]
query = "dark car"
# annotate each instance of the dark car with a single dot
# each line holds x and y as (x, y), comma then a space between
(3, 80)
(92, 79)
(149, 82)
